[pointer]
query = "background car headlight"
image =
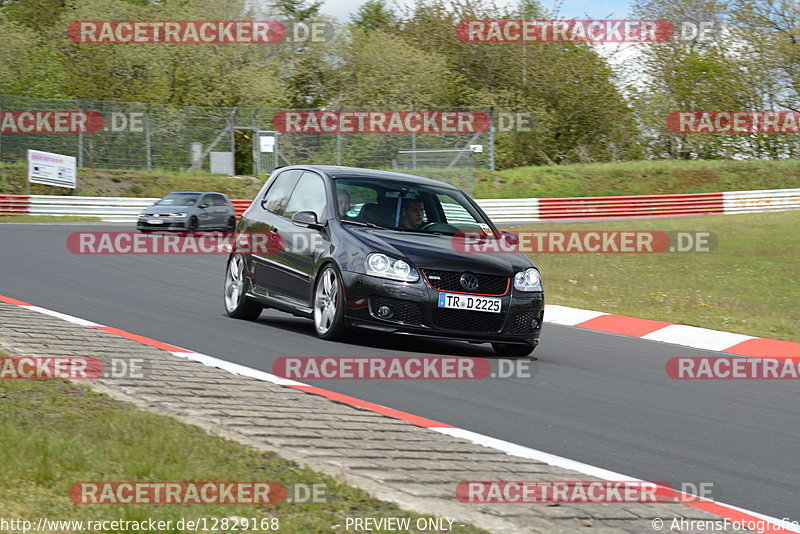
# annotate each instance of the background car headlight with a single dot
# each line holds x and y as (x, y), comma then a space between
(383, 266)
(176, 214)
(528, 280)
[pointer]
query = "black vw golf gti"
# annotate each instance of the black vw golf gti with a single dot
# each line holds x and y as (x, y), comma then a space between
(382, 251)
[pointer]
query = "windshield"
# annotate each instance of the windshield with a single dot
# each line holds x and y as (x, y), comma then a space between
(407, 206)
(178, 199)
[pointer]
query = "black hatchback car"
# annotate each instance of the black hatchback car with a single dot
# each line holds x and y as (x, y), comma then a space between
(374, 250)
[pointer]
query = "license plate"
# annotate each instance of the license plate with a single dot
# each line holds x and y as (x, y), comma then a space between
(469, 302)
(155, 221)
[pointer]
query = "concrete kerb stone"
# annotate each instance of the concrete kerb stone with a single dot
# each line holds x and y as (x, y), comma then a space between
(405, 450)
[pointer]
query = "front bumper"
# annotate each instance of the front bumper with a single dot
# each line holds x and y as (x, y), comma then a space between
(168, 224)
(416, 311)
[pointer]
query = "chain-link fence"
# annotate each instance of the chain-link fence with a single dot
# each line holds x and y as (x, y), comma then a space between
(159, 136)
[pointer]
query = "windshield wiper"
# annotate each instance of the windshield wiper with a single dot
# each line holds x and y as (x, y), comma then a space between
(359, 223)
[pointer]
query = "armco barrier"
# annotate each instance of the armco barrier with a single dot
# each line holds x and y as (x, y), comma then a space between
(516, 210)
(14, 204)
(111, 209)
(630, 206)
(765, 200)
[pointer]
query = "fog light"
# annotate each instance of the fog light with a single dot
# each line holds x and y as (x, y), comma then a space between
(385, 312)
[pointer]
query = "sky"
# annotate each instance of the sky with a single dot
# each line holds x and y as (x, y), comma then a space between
(584, 9)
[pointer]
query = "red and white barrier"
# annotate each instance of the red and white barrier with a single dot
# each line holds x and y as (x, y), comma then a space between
(511, 210)
(14, 204)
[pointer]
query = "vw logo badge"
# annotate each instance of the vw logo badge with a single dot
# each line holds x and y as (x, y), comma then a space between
(469, 281)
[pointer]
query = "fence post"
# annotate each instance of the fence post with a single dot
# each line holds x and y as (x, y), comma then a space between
(414, 153)
(471, 180)
(491, 138)
(80, 138)
(233, 138)
(147, 143)
(256, 151)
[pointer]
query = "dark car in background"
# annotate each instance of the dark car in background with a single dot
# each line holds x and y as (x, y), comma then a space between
(374, 250)
(189, 211)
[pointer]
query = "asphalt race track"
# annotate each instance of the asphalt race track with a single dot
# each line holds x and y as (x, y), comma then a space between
(596, 398)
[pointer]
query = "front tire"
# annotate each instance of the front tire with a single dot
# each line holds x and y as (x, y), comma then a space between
(237, 304)
(329, 305)
(193, 225)
(513, 350)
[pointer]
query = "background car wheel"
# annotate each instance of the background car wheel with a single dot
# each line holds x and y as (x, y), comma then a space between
(231, 226)
(513, 350)
(193, 225)
(237, 304)
(329, 305)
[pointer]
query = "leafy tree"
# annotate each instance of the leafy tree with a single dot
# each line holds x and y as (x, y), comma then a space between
(298, 9)
(374, 15)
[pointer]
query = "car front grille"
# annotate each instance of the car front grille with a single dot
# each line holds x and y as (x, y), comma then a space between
(405, 311)
(467, 320)
(451, 281)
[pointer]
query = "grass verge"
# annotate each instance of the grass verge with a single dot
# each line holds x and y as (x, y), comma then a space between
(44, 218)
(53, 434)
(598, 179)
(748, 284)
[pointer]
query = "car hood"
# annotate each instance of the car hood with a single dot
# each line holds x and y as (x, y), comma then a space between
(166, 209)
(432, 251)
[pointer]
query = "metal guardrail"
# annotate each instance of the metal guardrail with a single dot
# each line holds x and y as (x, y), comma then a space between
(516, 210)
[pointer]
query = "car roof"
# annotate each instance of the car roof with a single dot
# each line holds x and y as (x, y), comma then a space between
(334, 172)
(194, 193)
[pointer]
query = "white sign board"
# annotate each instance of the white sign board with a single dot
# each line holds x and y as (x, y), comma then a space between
(51, 169)
(476, 148)
(222, 163)
(267, 143)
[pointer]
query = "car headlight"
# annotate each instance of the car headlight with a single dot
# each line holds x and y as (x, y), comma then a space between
(181, 214)
(383, 266)
(528, 280)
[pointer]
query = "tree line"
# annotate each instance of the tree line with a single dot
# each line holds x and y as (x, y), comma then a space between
(591, 103)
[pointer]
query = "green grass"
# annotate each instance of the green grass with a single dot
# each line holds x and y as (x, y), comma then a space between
(748, 284)
(44, 218)
(131, 183)
(600, 179)
(53, 434)
(639, 178)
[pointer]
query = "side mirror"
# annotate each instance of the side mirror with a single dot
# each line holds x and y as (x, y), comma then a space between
(203, 206)
(307, 219)
(510, 237)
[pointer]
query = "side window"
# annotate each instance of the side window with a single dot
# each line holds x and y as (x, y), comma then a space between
(308, 195)
(221, 201)
(278, 194)
(204, 199)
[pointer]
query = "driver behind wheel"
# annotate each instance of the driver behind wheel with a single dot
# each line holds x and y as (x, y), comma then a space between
(412, 214)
